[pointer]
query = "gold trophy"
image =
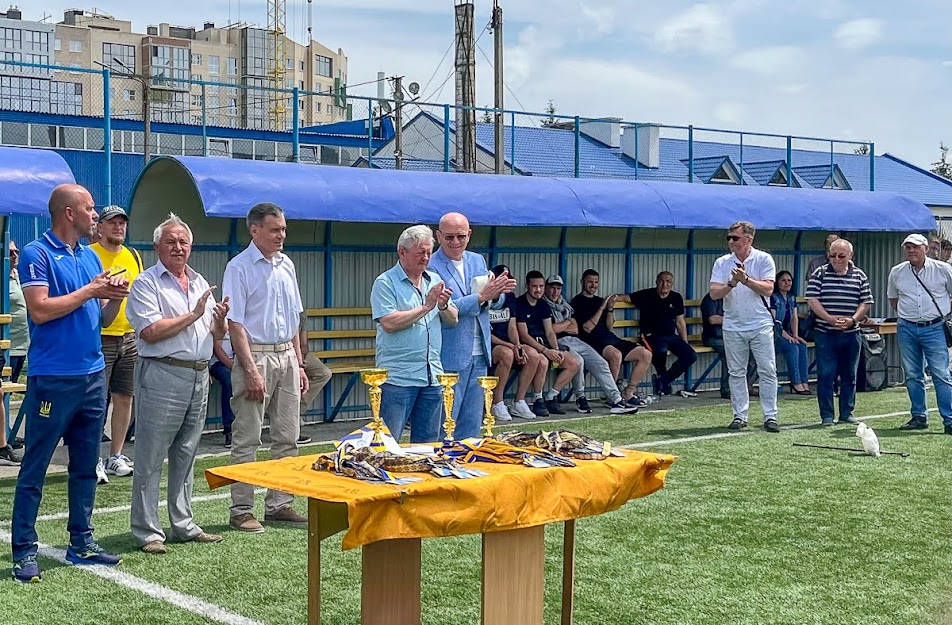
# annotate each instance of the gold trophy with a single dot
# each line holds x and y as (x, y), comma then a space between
(448, 380)
(488, 383)
(374, 378)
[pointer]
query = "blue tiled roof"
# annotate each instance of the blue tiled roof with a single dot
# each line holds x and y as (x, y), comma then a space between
(764, 171)
(382, 162)
(705, 168)
(551, 152)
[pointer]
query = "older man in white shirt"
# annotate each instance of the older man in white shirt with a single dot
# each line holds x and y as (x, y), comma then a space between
(269, 375)
(176, 321)
(744, 279)
(920, 290)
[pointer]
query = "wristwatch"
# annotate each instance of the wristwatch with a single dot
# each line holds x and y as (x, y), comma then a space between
(443, 307)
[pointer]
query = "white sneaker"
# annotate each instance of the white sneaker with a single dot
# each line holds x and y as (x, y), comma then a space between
(101, 473)
(522, 410)
(116, 465)
(501, 413)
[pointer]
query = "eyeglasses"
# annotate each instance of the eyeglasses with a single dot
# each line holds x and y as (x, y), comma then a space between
(734, 238)
(455, 237)
(840, 256)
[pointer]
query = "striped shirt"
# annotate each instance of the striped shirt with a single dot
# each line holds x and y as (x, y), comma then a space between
(839, 295)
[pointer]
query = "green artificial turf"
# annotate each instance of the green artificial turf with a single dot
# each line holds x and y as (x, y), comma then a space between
(749, 529)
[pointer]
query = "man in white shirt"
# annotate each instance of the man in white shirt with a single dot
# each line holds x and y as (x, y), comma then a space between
(175, 320)
(920, 289)
(266, 306)
(744, 279)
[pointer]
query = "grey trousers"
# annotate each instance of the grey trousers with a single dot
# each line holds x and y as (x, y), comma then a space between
(318, 375)
(282, 402)
(739, 347)
(592, 362)
(170, 415)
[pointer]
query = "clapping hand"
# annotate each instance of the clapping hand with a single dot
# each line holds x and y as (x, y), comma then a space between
(221, 310)
(502, 283)
(434, 295)
(199, 309)
(739, 275)
(106, 286)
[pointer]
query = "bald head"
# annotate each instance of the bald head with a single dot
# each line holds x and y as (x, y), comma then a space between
(453, 235)
(454, 221)
(66, 195)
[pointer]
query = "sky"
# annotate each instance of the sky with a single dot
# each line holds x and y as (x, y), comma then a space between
(863, 70)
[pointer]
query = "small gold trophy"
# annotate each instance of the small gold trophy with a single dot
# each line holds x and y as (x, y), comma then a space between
(448, 380)
(374, 378)
(488, 383)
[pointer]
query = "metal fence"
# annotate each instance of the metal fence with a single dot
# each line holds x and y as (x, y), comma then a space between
(71, 108)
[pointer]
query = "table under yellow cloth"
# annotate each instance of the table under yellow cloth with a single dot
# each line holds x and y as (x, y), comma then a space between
(510, 497)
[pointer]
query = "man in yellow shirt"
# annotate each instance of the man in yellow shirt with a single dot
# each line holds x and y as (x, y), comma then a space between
(118, 339)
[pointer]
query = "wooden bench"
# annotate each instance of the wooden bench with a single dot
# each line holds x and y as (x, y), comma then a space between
(342, 360)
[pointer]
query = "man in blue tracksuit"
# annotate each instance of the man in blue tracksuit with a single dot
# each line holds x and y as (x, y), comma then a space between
(466, 347)
(69, 299)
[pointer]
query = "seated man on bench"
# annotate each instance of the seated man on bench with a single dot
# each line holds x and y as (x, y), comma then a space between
(596, 319)
(508, 352)
(663, 328)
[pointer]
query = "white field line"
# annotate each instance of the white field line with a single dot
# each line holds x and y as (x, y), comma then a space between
(151, 589)
(59, 516)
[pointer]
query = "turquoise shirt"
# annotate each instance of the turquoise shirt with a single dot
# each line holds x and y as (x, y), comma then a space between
(412, 355)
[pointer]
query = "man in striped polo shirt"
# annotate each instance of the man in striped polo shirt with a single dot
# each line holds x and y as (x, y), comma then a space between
(839, 295)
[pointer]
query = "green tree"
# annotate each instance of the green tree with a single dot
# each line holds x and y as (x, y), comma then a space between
(862, 150)
(942, 167)
(550, 109)
(487, 117)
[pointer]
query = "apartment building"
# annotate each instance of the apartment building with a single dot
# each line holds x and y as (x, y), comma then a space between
(220, 76)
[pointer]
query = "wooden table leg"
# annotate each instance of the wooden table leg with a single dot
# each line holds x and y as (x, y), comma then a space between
(513, 576)
(568, 572)
(390, 582)
(313, 563)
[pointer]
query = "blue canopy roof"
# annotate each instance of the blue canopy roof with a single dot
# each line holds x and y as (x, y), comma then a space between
(27, 177)
(228, 188)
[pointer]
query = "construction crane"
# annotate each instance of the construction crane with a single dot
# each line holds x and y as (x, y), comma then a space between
(277, 112)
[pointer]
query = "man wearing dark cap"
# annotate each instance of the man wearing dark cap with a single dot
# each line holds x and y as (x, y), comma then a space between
(920, 289)
(118, 339)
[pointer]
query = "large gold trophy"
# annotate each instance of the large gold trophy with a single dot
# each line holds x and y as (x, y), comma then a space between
(488, 383)
(374, 378)
(448, 380)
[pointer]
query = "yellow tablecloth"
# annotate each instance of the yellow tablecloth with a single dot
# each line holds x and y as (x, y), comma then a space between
(510, 497)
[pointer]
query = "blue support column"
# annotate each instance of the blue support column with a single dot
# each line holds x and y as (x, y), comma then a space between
(789, 158)
(107, 136)
(578, 144)
(797, 253)
(295, 127)
(370, 133)
(512, 144)
(690, 153)
(492, 246)
(563, 251)
(328, 303)
(446, 137)
(689, 290)
(204, 123)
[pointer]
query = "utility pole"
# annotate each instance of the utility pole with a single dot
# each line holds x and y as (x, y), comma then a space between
(465, 87)
(398, 119)
(499, 85)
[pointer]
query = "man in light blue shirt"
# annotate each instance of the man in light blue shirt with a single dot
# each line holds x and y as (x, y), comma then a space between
(409, 305)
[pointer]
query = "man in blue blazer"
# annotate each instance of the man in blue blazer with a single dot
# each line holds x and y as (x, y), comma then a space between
(466, 346)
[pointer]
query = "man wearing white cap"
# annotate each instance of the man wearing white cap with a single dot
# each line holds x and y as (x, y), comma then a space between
(920, 289)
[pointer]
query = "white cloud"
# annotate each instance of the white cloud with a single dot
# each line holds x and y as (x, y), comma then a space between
(732, 114)
(794, 89)
(602, 18)
(776, 61)
(702, 28)
(858, 33)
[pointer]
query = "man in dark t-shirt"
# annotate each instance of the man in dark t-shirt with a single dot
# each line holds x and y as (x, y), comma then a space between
(596, 319)
(534, 322)
(663, 329)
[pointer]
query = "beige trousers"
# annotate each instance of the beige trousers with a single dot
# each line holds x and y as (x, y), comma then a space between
(282, 399)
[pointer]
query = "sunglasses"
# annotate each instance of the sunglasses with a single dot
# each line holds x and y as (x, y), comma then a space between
(840, 256)
(455, 237)
(734, 238)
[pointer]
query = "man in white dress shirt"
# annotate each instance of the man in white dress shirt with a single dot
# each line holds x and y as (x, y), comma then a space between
(269, 376)
(920, 289)
(744, 279)
(176, 321)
